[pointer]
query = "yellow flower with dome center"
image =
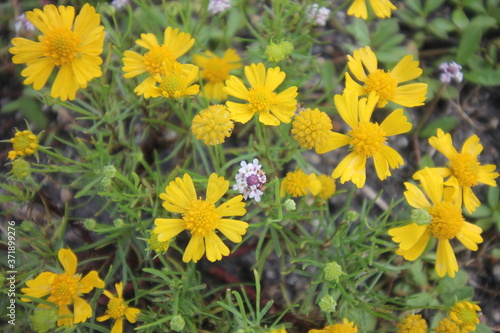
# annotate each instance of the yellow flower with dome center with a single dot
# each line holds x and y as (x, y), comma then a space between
(118, 309)
(297, 184)
(366, 139)
(463, 169)
(312, 129)
(412, 324)
(382, 8)
(464, 314)
(215, 70)
(212, 125)
(201, 218)
(175, 81)
(386, 84)
(152, 62)
(446, 222)
(65, 289)
(24, 143)
(345, 327)
(272, 108)
(446, 325)
(72, 45)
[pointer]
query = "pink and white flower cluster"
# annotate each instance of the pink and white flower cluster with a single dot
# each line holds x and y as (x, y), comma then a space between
(250, 180)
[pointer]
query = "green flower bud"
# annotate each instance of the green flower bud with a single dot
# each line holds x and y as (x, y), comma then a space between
(352, 216)
(327, 304)
(177, 323)
(21, 168)
(109, 171)
(106, 182)
(290, 204)
(156, 245)
(27, 226)
(287, 47)
(420, 216)
(118, 223)
(43, 320)
(333, 271)
(274, 53)
(89, 224)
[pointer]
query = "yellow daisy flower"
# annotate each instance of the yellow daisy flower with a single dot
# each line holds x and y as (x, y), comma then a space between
(152, 62)
(412, 324)
(446, 325)
(345, 327)
(118, 309)
(65, 289)
(386, 84)
(366, 139)
(212, 125)
(24, 143)
(272, 108)
(312, 129)
(72, 45)
(297, 183)
(175, 82)
(463, 169)
(382, 8)
(464, 314)
(446, 222)
(201, 218)
(328, 187)
(215, 71)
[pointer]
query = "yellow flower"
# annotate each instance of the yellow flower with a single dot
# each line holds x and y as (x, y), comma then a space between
(201, 218)
(327, 187)
(386, 84)
(212, 125)
(24, 143)
(446, 325)
(277, 330)
(312, 129)
(215, 71)
(345, 327)
(152, 62)
(72, 45)
(271, 107)
(412, 324)
(297, 184)
(118, 309)
(366, 139)
(463, 169)
(382, 8)
(174, 82)
(65, 289)
(446, 223)
(464, 314)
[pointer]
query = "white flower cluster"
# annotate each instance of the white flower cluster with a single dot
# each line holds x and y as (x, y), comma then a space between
(22, 24)
(218, 6)
(451, 71)
(119, 4)
(317, 14)
(250, 180)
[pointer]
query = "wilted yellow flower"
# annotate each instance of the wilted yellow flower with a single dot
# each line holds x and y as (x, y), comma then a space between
(201, 218)
(445, 224)
(312, 129)
(65, 289)
(24, 143)
(118, 309)
(386, 84)
(297, 183)
(272, 108)
(345, 327)
(212, 125)
(382, 8)
(464, 314)
(72, 45)
(412, 324)
(215, 70)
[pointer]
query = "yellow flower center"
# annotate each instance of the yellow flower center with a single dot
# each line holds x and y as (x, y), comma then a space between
(466, 168)
(296, 183)
(63, 290)
(154, 59)
(25, 143)
(201, 218)
(447, 220)
(216, 70)
(260, 99)
(311, 128)
(62, 45)
(212, 125)
(367, 138)
(172, 85)
(465, 315)
(412, 324)
(116, 308)
(383, 83)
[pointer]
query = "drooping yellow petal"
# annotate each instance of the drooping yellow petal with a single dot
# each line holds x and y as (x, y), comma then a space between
(446, 262)
(195, 249)
(351, 168)
(215, 248)
(470, 236)
(38, 72)
(65, 84)
(418, 247)
(351, 85)
(131, 314)
(471, 202)
(358, 9)
(268, 119)
(117, 326)
(382, 8)
(82, 310)
(64, 316)
(168, 228)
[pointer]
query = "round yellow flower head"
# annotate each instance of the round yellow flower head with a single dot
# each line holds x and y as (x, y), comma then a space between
(156, 245)
(312, 129)
(345, 327)
(412, 324)
(118, 309)
(297, 183)
(464, 314)
(446, 325)
(212, 125)
(20, 168)
(328, 187)
(25, 143)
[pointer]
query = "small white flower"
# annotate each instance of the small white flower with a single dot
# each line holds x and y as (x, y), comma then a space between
(218, 6)
(250, 180)
(317, 14)
(22, 24)
(119, 4)
(450, 71)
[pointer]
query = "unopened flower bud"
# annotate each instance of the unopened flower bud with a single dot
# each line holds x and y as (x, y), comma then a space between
(43, 320)
(89, 224)
(290, 204)
(177, 323)
(118, 223)
(352, 216)
(21, 168)
(327, 304)
(333, 271)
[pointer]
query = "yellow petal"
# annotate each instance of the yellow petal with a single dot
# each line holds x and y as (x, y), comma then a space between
(472, 146)
(382, 8)
(410, 95)
(215, 248)
(168, 228)
(68, 261)
(117, 326)
(131, 314)
(147, 41)
(179, 194)
(65, 84)
(268, 119)
(432, 185)
(446, 262)
(89, 282)
(82, 310)
(274, 78)
(418, 247)
(410, 235)
(38, 72)
(40, 286)
(396, 123)
(406, 69)
(347, 107)
(351, 85)
(335, 140)
(232, 229)
(86, 21)
(177, 43)
(26, 50)
(351, 168)
(240, 112)
(470, 236)
(195, 249)
(256, 74)
(133, 64)
(235, 87)
(358, 9)
(486, 174)
(233, 207)
(103, 318)
(444, 144)
(65, 317)
(217, 187)
(415, 197)
(471, 202)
